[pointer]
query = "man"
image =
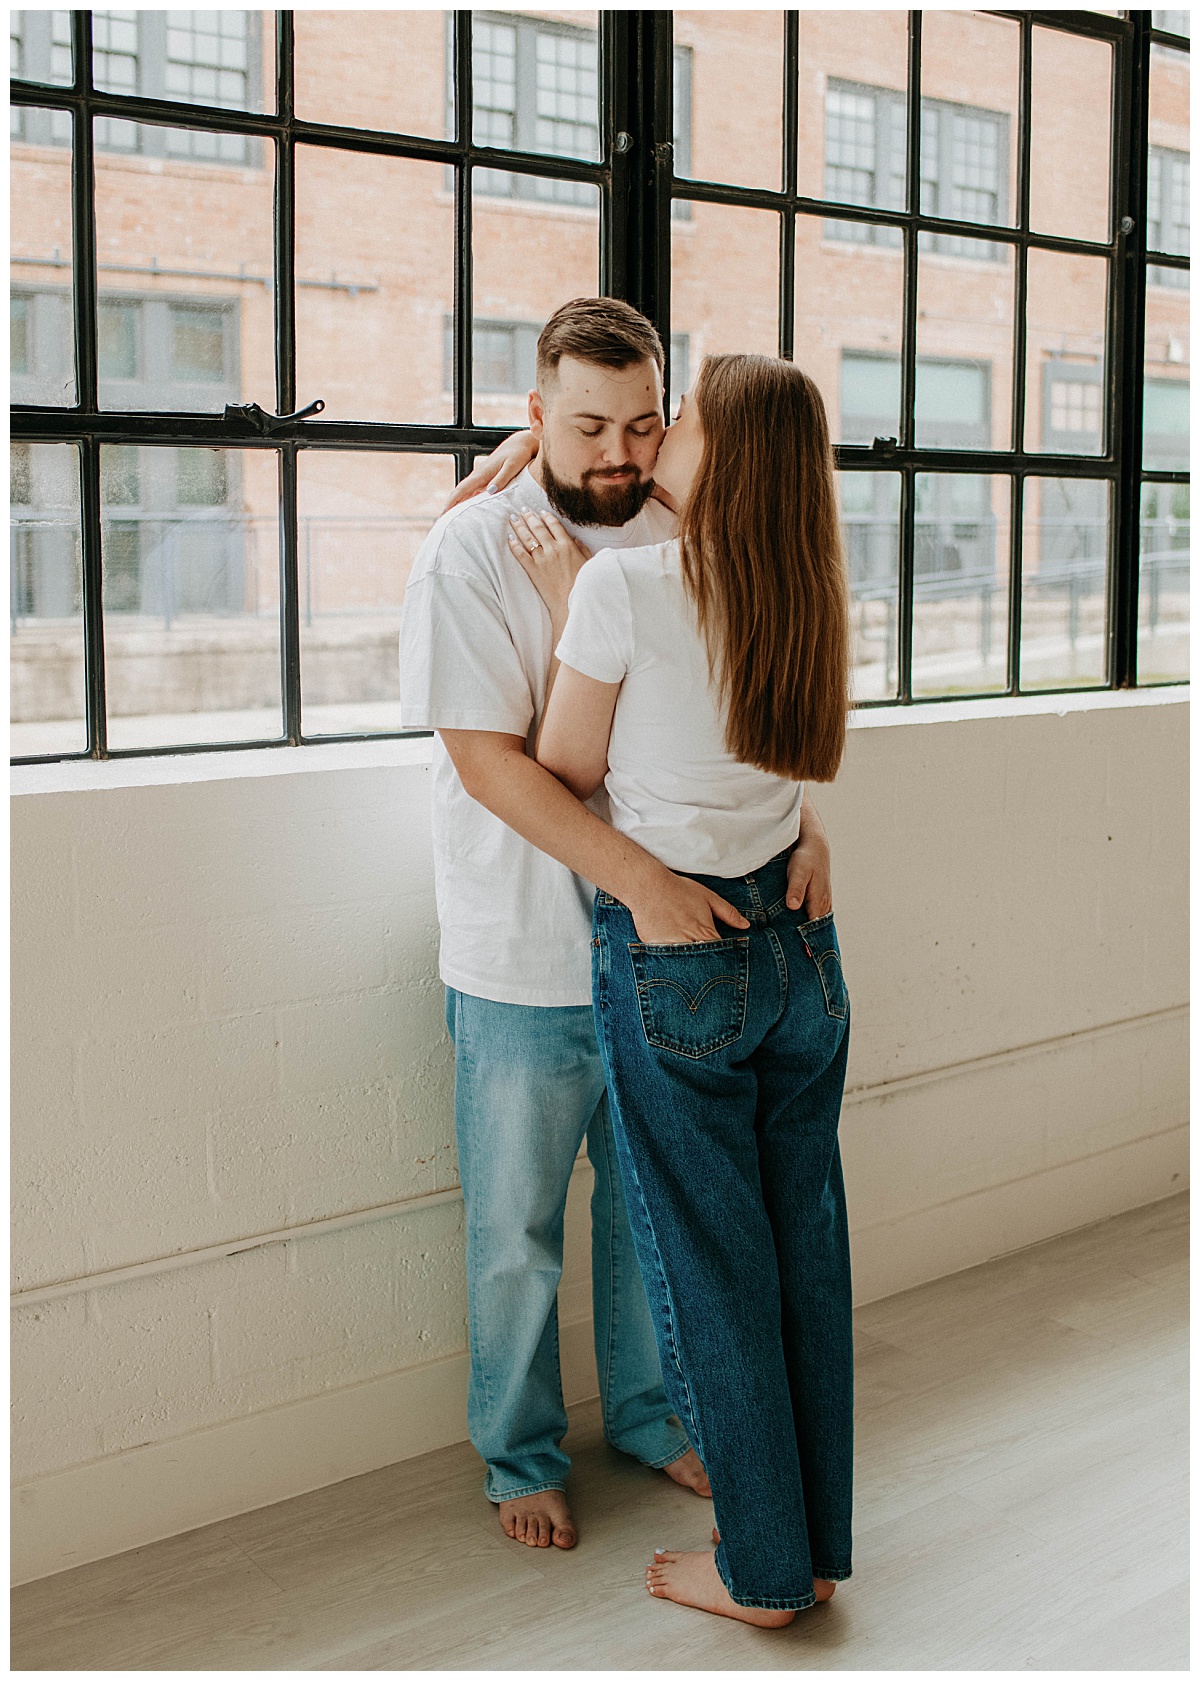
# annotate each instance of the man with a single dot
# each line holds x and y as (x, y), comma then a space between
(476, 646)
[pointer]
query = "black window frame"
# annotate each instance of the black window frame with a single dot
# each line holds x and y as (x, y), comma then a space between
(638, 189)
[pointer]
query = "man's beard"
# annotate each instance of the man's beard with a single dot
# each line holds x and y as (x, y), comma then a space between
(599, 500)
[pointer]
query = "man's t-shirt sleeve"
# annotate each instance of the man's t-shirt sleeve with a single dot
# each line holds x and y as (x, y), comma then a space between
(459, 669)
(598, 639)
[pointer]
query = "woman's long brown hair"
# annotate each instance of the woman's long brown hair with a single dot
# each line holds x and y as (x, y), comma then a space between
(763, 562)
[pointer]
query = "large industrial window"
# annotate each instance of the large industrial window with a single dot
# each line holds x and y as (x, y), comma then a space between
(971, 228)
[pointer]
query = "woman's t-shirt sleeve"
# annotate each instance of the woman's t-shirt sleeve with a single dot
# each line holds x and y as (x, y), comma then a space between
(598, 639)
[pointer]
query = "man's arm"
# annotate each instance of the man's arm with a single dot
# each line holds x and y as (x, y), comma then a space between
(667, 909)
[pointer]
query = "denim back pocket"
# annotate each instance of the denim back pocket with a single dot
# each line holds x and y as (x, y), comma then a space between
(692, 998)
(821, 944)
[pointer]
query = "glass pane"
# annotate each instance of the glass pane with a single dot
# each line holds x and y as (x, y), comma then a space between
(1065, 385)
(184, 242)
(964, 347)
(970, 87)
(362, 519)
(375, 285)
(40, 47)
(848, 322)
(1163, 606)
(385, 69)
(202, 58)
(1064, 581)
(960, 590)
(46, 682)
(41, 241)
(535, 83)
(1165, 413)
(190, 545)
(871, 528)
(533, 251)
(729, 96)
(1175, 23)
(742, 313)
(853, 84)
(1069, 165)
(1168, 207)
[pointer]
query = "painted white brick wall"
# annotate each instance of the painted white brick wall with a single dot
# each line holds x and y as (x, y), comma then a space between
(227, 1019)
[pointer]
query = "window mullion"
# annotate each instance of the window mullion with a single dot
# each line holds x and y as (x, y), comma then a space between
(908, 365)
(1131, 88)
(285, 374)
(463, 227)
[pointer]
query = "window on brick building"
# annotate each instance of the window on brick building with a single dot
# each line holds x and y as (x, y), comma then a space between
(503, 355)
(535, 88)
(954, 411)
(40, 343)
(964, 164)
(1165, 423)
(953, 405)
(864, 156)
(151, 351)
(18, 336)
(1072, 406)
(1168, 212)
(40, 51)
(204, 58)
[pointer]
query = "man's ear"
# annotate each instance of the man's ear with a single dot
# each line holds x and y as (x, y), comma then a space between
(537, 414)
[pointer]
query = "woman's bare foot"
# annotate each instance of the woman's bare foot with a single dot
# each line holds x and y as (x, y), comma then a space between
(539, 1519)
(823, 1588)
(692, 1579)
(688, 1472)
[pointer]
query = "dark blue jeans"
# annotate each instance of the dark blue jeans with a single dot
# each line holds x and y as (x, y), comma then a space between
(725, 1065)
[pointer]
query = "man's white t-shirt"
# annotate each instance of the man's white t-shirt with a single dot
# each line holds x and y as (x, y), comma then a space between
(475, 648)
(673, 785)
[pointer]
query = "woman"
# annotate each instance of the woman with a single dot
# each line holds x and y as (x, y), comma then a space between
(701, 680)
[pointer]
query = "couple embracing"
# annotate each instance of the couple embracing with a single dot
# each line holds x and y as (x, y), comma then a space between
(634, 655)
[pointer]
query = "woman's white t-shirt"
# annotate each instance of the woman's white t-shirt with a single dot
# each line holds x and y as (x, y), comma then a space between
(673, 785)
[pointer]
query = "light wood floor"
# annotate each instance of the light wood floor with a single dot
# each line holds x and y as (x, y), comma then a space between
(1020, 1504)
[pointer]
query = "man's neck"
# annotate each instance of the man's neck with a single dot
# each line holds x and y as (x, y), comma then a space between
(535, 469)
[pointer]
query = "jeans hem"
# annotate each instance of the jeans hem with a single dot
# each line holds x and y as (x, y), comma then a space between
(796, 1602)
(522, 1493)
(675, 1453)
(828, 1575)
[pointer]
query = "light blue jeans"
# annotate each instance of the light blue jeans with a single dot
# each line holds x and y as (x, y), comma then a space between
(528, 1086)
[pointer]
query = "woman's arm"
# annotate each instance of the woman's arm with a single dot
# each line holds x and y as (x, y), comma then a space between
(573, 740)
(492, 472)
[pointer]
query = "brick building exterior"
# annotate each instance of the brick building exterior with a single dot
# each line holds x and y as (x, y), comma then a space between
(184, 241)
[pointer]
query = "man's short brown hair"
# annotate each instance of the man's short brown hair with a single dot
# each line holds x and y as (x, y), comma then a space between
(602, 330)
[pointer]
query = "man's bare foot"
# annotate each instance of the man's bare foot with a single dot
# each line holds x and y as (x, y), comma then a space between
(539, 1519)
(692, 1579)
(823, 1588)
(688, 1472)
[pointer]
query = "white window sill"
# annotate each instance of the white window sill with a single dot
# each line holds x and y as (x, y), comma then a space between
(77, 775)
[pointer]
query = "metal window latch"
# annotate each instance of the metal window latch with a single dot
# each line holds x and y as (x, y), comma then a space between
(1127, 224)
(257, 418)
(623, 142)
(884, 446)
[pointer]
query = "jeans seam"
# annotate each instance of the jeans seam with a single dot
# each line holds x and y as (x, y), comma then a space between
(694, 1434)
(606, 1388)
